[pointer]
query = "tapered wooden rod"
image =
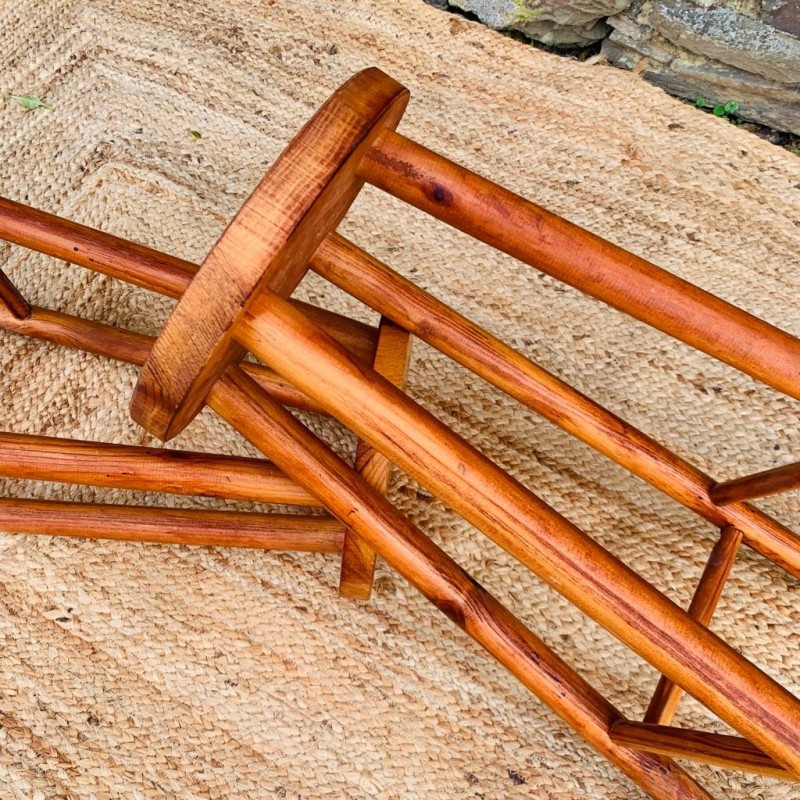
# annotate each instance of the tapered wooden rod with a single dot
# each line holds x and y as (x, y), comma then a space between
(571, 254)
(147, 469)
(356, 503)
(704, 603)
(86, 247)
(140, 265)
(358, 558)
(708, 748)
(380, 287)
(131, 347)
(11, 299)
(759, 484)
(520, 522)
(171, 525)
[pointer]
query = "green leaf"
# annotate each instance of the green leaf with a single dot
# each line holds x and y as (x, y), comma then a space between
(196, 134)
(719, 111)
(700, 103)
(731, 107)
(29, 102)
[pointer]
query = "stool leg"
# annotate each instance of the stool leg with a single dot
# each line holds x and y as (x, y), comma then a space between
(559, 248)
(271, 428)
(368, 280)
(520, 522)
(190, 526)
(147, 469)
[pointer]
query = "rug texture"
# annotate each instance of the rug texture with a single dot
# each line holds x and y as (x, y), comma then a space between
(140, 671)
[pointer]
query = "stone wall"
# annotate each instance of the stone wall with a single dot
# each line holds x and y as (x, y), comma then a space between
(747, 51)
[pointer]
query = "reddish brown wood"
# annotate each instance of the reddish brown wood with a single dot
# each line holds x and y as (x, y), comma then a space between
(78, 244)
(130, 347)
(707, 748)
(171, 525)
(459, 596)
(759, 484)
(11, 299)
(358, 558)
(44, 458)
(520, 522)
(268, 246)
(704, 603)
(141, 266)
(559, 248)
(375, 284)
(269, 242)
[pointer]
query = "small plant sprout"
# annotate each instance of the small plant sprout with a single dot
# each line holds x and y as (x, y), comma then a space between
(727, 110)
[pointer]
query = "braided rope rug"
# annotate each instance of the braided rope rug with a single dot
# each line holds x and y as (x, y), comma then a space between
(142, 671)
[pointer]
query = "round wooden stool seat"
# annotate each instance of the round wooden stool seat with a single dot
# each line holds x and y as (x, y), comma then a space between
(268, 244)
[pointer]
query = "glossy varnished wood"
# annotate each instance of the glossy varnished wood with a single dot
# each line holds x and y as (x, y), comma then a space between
(148, 469)
(704, 603)
(133, 348)
(356, 503)
(238, 302)
(707, 748)
(79, 244)
(597, 267)
(135, 264)
(301, 199)
(759, 484)
(520, 522)
(380, 287)
(171, 525)
(392, 354)
(11, 299)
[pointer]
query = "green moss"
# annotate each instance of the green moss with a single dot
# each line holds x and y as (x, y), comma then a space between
(525, 13)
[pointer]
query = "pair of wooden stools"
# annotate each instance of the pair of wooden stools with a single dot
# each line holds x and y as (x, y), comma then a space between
(239, 302)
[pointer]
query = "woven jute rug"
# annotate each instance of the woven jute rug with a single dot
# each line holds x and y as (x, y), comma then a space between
(140, 671)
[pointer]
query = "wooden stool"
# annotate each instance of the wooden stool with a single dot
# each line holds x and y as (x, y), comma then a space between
(285, 228)
(386, 348)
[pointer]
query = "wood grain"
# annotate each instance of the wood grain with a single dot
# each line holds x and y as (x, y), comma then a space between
(707, 748)
(358, 558)
(302, 198)
(704, 603)
(147, 469)
(463, 600)
(520, 522)
(380, 287)
(591, 264)
(10, 298)
(759, 484)
(171, 525)
(131, 347)
(139, 265)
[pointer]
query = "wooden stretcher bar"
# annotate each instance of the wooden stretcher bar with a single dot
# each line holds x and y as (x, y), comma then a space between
(239, 301)
(284, 440)
(414, 310)
(147, 469)
(516, 519)
(759, 484)
(383, 289)
(704, 603)
(707, 748)
(172, 525)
